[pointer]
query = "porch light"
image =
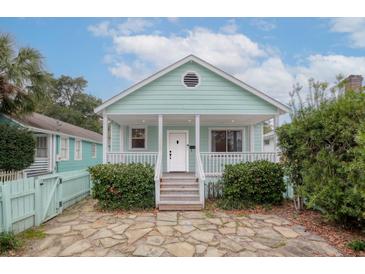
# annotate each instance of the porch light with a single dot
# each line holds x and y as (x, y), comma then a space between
(232, 121)
(189, 121)
(143, 121)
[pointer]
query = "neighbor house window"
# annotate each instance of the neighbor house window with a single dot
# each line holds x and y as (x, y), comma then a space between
(138, 137)
(226, 140)
(78, 149)
(64, 149)
(267, 142)
(41, 147)
(93, 150)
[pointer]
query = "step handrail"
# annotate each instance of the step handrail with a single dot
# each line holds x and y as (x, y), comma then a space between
(157, 178)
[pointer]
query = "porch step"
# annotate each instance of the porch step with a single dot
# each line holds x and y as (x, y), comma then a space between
(179, 197)
(180, 205)
(178, 185)
(179, 191)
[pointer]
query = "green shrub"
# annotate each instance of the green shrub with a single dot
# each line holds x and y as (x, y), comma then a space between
(324, 157)
(251, 183)
(16, 148)
(8, 242)
(123, 186)
(357, 245)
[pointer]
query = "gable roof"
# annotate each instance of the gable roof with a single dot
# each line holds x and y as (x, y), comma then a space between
(36, 121)
(281, 107)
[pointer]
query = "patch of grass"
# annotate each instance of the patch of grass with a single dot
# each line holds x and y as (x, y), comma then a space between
(279, 244)
(357, 245)
(9, 242)
(33, 233)
(209, 214)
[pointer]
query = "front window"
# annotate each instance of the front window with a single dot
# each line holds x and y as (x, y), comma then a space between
(93, 150)
(64, 151)
(78, 150)
(226, 140)
(138, 138)
(41, 147)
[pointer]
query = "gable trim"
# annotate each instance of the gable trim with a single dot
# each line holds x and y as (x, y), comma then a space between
(281, 107)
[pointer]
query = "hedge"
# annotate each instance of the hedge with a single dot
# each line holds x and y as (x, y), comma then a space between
(16, 148)
(324, 157)
(123, 186)
(251, 183)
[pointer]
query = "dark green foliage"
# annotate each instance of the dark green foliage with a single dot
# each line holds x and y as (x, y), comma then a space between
(8, 242)
(123, 186)
(16, 148)
(357, 245)
(251, 183)
(324, 158)
(68, 102)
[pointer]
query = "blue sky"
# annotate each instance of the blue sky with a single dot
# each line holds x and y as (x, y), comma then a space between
(268, 53)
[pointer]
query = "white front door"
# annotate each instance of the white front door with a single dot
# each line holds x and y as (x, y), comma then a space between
(177, 151)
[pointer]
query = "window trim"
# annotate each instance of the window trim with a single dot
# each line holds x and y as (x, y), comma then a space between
(67, 146)
(92, 150)
(190, 71)
(130, 137)
(78, 159)
(226, 128)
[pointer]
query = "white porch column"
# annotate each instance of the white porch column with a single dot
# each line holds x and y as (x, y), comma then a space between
(197, 140)
(105, 136)
(276, 124)
(160, 134)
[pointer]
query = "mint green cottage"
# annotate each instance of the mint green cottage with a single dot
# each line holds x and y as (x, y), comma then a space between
(188, 120)
(60, 146)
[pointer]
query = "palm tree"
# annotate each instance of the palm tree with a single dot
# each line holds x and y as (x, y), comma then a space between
(22, 77)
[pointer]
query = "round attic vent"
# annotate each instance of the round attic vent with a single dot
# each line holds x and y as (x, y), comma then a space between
(191, 79)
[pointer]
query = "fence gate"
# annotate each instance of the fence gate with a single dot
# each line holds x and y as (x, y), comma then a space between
(50, 197)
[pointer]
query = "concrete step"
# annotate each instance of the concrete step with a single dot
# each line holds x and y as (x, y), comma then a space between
(179, 184)
(179, 191)
(178, 178)
(179, 197)
(180, 205)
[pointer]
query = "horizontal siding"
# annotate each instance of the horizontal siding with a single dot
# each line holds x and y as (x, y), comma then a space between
(214, 95)
(115, 138)
(258, 131)
(87, 160)
(152, 141)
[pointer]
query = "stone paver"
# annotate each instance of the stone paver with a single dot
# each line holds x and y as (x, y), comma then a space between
(84, 231)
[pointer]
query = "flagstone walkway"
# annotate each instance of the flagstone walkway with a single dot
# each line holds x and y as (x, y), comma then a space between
(83, 231)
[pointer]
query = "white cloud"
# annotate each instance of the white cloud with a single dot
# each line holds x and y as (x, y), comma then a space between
(138, 55)
(354, 27)
(134, 25)
(101, 29)
(231, 27)
(128, 27)
(262, 24)
(233, 51)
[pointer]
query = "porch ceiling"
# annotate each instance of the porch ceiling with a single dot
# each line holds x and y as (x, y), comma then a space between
(186, 120)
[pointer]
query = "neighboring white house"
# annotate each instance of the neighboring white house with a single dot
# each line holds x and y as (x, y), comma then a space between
(269, 142)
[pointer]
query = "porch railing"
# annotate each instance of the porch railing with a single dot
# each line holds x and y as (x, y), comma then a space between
(132, 157)
(214, 162)
(201, 177)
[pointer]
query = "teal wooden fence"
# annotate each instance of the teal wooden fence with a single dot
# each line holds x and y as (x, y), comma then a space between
(29, 202)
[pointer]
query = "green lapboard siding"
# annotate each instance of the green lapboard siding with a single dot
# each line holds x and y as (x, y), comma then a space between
(152, 141)
(86, 161)
(258, 131)
(115, 137)
(214, 95)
